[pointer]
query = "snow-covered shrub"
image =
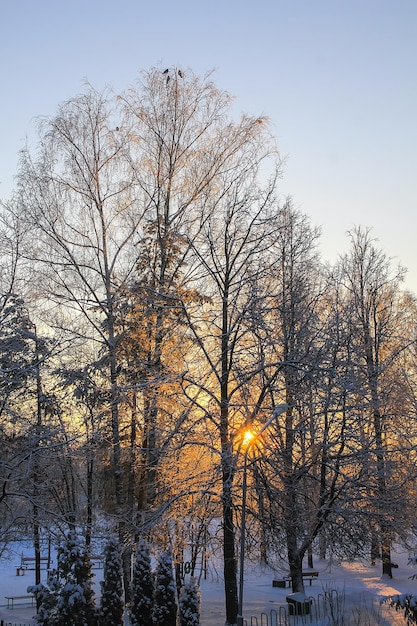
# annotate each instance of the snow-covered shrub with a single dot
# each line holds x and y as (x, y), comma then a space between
(406, 603)
(413, 561)
(75, 605)
(112, 605)
(189, 605)
(46, 597)
(165, 606)
(142, 587)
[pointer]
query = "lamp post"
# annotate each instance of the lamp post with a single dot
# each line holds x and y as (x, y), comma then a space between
(249, 438)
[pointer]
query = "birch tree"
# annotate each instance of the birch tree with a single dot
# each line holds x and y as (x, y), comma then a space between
(77, 197)
(228, 255)
(373, 288)
(120, 197)
(188, 142)
(292, 329)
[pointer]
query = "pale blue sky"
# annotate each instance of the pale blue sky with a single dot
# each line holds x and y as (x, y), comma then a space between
(338, 79)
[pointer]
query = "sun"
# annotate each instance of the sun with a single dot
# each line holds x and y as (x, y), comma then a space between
(248, 436)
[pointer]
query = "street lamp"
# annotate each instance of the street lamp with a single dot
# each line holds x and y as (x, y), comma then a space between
(248, 438)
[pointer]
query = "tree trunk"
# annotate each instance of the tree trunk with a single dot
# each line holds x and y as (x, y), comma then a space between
(386, 552)
(229, 552)
(310, 557)
(295, 562)
(90, 479)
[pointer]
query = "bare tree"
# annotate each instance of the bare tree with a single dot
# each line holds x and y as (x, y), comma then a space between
(120, 198)
(293, 330)
(78, 198)
(187, 144)
(374, 292)
(229, 264)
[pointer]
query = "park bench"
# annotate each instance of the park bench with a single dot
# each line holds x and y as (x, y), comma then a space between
(12, 599)
(285, 581)
(28, 563)
(310, 576)
(96, 561)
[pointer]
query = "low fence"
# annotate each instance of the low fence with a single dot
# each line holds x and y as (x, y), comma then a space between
(280, 617)
(331, 609)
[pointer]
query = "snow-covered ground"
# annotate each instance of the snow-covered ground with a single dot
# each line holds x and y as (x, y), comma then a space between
(359, 583)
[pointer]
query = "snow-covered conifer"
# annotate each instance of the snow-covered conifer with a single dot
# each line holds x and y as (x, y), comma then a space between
(142, 587)
(75, 604)
(189, 605)
(112, 605)
(165, 606)
(46, 598)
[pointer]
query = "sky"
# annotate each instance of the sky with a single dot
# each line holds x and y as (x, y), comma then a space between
(337, 78)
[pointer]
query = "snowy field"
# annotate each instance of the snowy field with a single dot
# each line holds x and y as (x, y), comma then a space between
(360, 584)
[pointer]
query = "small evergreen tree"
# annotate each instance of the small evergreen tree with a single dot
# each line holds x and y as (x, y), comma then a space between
(112, 605)
(165, 607)
(46, 598)
(75, 604)
(189, 605)
(142, 587)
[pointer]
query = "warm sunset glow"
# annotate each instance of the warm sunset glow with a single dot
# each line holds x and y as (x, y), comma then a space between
(248, 436)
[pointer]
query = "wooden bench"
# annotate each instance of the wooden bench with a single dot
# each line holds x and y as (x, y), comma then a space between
(96, 561)
(28, 562)
(282, 582)
(310, 576)
(12, 599)
(286, 580)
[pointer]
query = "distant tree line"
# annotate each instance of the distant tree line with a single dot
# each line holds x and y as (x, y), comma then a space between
(158, 296)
